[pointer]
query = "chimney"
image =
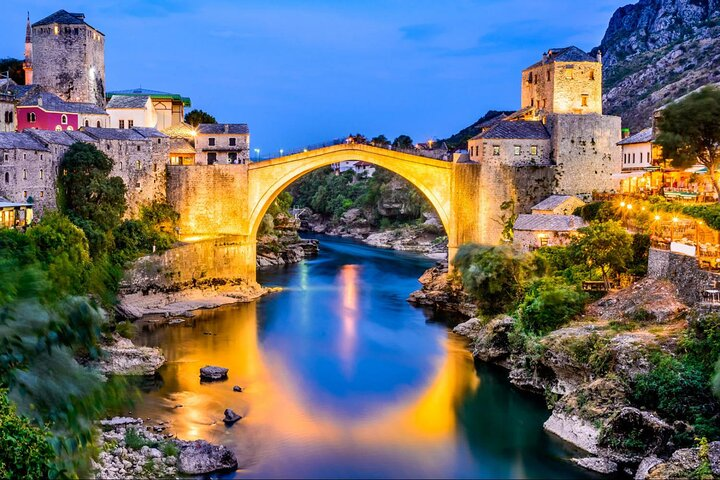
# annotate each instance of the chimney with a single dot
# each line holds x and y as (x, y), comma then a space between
(625, 133)
(227, 128)
(599, 56)
(39, 104)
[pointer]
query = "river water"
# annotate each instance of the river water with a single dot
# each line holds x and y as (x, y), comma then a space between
(342, 377)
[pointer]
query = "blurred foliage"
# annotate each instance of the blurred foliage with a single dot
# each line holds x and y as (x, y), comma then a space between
(26, 451)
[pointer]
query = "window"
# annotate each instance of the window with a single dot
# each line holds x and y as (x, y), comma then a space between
(63, 119)
(532, 102)
(211, 141)
(108, 146)
(56, 30)
(154, 167)
(633, 158)
(533, 149)
(232, 141)
(42, 193)
(543, 240)
(130, 123)
(9, 117)
(516, 149)
(137, 164)
(7, 177)
(584, 100)
(87, 123)
(69, 128)
(232, 157)
(529, 77)
(24, 174)
(25, 194)
(212, 158)
(592, 74)
(121, 123)
(98, 124)
(548, 74)
(42, 174)
(120, 166)
(31, 117)
(58, 128)
(138, 148)
(496, 150)
(568, 73)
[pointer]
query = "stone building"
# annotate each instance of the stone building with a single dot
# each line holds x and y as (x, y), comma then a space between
(163, 111)
(557, 205)
(531, 231)
(222, 143)
(43, 110)
(27, 170)
(68, 58)
(516, 143)
(566, 80)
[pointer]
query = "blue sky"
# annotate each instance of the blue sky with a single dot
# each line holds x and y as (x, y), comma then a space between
(302, 72)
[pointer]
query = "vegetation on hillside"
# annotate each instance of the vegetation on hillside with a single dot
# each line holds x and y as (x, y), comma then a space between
(57, 289)
(14, 67)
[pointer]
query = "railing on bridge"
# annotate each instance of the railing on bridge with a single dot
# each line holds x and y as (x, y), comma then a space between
(437, 155)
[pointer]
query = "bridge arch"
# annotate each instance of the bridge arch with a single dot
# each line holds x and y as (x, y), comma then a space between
(266, 180)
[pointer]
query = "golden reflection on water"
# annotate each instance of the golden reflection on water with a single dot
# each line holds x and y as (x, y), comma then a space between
(279, 413)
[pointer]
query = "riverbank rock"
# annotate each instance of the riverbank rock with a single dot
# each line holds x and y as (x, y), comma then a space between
(440, 293)
(211, 373)
(492, 342)
(123, 357)
(597, 464)
(636, 433)
(470, 328)
(684, 463)
(200, 458)
(648, 301)
(231, 417)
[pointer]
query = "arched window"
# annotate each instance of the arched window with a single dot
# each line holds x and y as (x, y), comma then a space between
(137, 164)
(87, 123)
(42, 174)
(69, 129)
(63, 119)
(58, 128)
(31, 117)
(24, 174)
(98, 124)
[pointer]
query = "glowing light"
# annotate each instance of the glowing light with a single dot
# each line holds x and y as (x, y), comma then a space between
(675, 219)
(629, 206)
(657, 217)
(622, 204)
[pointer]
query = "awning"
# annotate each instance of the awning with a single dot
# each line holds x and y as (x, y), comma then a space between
(697, 169)
(624, 175)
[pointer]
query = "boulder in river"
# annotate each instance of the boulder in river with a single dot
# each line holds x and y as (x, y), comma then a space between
(210, 373)
(123, 357)
(237, 389)
(231, 417)
(200, 457)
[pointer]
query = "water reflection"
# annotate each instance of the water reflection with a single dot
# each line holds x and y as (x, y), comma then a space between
(342, 378)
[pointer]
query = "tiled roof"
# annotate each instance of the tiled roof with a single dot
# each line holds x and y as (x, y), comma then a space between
(114, 133)
(149, 132)
(5, 203)
(521, 129)
(150, 93)
(12, 140)
(552, 202)
(643, 136)
(180, 145)
(53, 103)
(66, 138)
(128, 101)
(221, 128)
(565, 54)
(548, 223)
(180, 130)
(63, 17)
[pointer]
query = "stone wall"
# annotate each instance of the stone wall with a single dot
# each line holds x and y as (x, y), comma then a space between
(559, 87)
(29, 173)
(586, 153)
(197, 263)
(507, 151)
(524, 186)
(683, 272)
(71, 62)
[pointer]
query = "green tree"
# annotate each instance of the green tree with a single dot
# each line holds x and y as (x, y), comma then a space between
(380, 141)
(548, 304)
(403, 142)
(87, 191)
(690, 132)
(62, 249)
(357, 138)
(196, 117)
(25, 452)
(492, 275)
(606, 246)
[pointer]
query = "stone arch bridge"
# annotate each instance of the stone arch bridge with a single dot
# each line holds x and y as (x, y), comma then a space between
(222, 206)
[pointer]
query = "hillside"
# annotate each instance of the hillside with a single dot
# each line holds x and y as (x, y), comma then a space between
(655, 51)
(459, 140)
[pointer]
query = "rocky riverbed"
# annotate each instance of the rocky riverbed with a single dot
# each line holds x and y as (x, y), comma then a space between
(427, 237)
(585, 369)
(131, 449)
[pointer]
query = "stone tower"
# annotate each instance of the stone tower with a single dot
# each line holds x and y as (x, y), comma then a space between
(27, 64)
(566, 80)
(69, 58)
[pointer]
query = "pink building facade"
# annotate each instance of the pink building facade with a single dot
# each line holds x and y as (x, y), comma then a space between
(37, 117)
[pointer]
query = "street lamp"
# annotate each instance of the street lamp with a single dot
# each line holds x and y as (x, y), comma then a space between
(281, 152)
(257, 154)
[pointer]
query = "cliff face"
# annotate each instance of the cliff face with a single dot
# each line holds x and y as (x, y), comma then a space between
(655, 51)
